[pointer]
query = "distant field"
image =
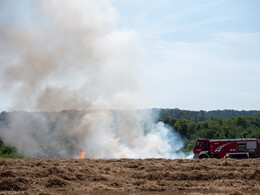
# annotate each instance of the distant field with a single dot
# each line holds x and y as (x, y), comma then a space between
(52, 176)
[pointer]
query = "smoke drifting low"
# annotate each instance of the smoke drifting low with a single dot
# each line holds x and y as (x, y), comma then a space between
(68, 55)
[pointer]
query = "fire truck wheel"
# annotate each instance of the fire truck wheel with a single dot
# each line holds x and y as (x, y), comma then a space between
(203, 156)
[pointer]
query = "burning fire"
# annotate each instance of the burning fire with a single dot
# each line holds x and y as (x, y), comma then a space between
(82, 155)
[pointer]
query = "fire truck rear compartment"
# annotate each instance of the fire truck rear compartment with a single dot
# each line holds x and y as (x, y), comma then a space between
(244, 150)
(252, 149)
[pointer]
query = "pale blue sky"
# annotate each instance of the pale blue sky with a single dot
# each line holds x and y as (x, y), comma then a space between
(203, 54)
(199, 54)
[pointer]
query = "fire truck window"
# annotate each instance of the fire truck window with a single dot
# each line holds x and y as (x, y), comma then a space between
(198, 144)
(205, 145)
(241, 147)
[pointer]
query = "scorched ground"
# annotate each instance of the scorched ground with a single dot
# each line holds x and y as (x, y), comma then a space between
(73, 176)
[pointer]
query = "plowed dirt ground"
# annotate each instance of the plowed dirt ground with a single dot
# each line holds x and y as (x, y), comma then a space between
(133, 176)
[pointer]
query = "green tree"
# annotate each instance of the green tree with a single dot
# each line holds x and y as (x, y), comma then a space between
(181, 126)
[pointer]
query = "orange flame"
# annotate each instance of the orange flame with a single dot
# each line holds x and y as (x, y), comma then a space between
(82, 155)
(95, 156)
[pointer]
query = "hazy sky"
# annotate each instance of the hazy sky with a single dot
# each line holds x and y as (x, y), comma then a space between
(202, 54)
(196, 54)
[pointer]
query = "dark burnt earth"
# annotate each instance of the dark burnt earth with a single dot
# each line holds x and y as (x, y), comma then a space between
(133, 176)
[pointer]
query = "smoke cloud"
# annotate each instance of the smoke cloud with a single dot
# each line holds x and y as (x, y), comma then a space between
(68, 55)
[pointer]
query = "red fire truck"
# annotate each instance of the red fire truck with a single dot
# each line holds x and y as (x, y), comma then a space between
(234, 148)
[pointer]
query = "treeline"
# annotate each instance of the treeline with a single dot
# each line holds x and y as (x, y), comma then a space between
(197, 116)
(216, 128)
(8, 151)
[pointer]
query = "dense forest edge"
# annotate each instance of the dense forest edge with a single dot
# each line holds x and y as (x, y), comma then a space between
(218, 124)
(198, 116)
(7, 151)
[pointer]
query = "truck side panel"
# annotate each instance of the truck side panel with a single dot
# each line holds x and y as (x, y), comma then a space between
(221, 148)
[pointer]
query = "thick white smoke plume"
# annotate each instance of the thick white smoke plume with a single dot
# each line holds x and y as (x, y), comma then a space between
(68, 55)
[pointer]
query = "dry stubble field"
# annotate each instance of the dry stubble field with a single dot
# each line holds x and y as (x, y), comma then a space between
(133, 176)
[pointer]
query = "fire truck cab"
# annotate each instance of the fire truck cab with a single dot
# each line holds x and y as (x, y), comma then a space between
(234, 148)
